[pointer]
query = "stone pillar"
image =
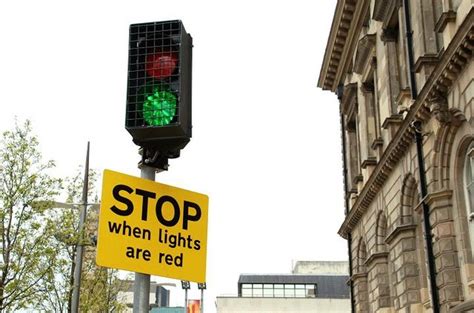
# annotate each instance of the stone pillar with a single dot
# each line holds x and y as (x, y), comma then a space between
(392, 122)
(352, 157)
(404, 262)
(361, 297)
(389, 36)
(448, 276)
(378, 281)
(367, 90)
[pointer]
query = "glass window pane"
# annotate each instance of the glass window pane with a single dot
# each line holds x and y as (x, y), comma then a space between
(278, 286)
(470, 162)
(246, 292)
(469, 178)
(257, 286)
(470, 196)
(268, 286)
(299, 286)
(290, 293)
(246, 286)
(268, 293)
(258, 292)
(279, 293)
(300, 293)
(289, 286)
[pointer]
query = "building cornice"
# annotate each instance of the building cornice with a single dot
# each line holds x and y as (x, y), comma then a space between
(376, 256)
(450, 64)
(399, 229)
(444, 194)
(357, 276)
(348, 20)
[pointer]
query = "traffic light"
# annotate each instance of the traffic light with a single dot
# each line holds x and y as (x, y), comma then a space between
(158, 112)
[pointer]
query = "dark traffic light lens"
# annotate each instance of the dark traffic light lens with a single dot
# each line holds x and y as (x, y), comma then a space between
(159, 106)
(161, 65)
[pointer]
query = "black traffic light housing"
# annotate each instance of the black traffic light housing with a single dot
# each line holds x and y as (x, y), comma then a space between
(158, 112)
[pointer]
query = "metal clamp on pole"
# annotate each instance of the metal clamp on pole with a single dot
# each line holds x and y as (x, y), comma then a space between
(471, 217)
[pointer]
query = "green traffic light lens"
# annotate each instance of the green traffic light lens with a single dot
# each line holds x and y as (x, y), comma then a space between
(159, 107)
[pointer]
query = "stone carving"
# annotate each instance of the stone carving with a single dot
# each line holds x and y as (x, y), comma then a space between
(438, 105)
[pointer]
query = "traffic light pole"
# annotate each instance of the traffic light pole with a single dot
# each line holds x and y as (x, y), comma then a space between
(158, 112)
(141, 286)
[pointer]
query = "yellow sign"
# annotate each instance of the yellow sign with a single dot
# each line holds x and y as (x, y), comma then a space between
(152, 228)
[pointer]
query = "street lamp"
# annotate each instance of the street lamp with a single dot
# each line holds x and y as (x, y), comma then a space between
(77, 265)
(202, 287)
(186, 286)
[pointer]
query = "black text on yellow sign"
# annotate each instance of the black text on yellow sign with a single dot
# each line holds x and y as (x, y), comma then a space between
(152, 228)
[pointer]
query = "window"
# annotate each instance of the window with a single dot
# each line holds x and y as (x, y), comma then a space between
(279, 290)
(257, 290)
(393, 73)
(469, 180)
(300, 291)
(290, 291)
(268, 290)
(468, 190)
(246, 290)
(349, 107)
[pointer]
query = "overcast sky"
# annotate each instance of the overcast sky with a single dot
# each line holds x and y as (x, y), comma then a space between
(266, 141)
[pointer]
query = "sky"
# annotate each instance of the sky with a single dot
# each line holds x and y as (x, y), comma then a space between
(266, 141)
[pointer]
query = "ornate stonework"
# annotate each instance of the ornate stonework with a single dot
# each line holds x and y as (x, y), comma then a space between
(368, 59)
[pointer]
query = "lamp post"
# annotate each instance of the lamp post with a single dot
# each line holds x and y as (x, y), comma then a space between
(77, 263)
(76, 269)
(186, 286)
(202, 287)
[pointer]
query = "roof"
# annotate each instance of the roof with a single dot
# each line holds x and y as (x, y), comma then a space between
(329, 286)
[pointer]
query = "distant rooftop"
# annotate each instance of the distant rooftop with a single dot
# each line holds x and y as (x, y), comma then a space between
(321, 267)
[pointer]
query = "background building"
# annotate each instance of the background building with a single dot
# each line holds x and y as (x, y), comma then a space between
(178, 309)
(158, 294)
(404, 77)
(314, 289)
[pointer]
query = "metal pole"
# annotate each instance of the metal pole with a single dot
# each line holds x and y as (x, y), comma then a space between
(141, 286)
(185, 300)
(340, 91)
(202, 300)
(426, 218)
(79, 246)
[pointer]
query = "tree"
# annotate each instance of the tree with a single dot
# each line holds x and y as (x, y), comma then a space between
(26, 228)
(58, 286)
(99, 286)
(38, 240)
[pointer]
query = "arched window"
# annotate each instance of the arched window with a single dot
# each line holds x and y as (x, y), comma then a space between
(381, 233)
(361, 257)
(469, 181)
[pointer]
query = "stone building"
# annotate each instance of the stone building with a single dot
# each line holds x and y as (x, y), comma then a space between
(404, 77)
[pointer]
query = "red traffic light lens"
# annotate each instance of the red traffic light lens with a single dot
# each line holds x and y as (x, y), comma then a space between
(161, 65)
